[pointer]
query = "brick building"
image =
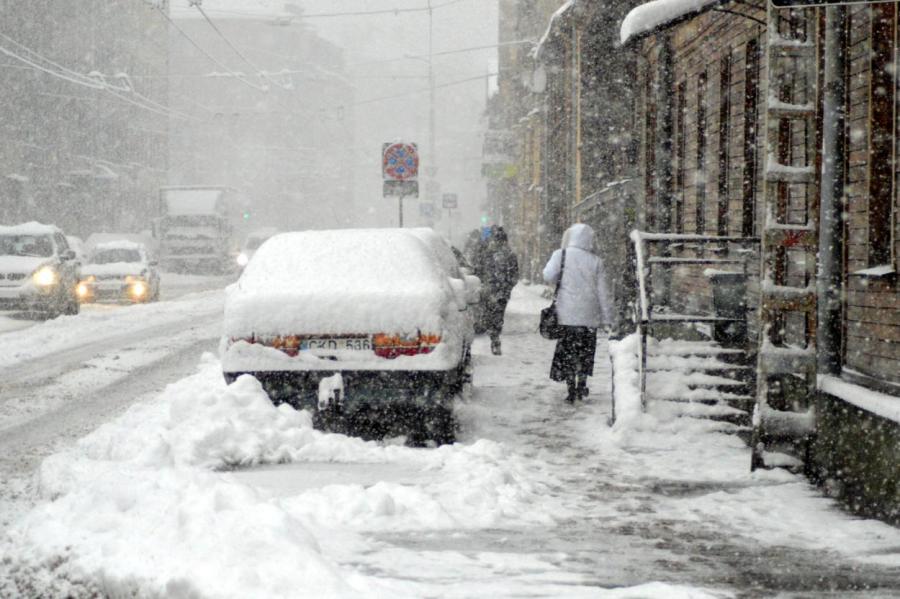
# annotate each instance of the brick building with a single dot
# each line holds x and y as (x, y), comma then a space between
(705, 105)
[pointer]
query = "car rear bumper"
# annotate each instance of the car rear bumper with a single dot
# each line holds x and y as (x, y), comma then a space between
(361, 388)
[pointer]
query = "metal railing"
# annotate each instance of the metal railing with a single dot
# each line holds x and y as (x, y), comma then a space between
(642, 313)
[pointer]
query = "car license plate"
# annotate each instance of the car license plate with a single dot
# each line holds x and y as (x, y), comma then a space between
(337, 344)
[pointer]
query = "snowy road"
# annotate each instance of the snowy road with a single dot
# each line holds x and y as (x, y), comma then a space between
(205, 491)
(62, 378)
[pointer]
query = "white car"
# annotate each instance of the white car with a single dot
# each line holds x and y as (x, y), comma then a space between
(119, 271)
(252, 243)
(387, 310)
(38, 270)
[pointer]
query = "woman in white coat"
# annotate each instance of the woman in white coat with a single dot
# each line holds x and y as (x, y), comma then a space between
(582, 306)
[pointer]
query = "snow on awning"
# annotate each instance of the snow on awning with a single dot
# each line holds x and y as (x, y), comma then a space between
(651, 16)
(561, 12)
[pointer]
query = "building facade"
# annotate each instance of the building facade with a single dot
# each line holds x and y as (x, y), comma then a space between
(263, 98)
(705, 105)
(85, 116)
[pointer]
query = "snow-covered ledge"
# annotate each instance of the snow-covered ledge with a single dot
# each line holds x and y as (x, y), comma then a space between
(653, 15)
(881, 404)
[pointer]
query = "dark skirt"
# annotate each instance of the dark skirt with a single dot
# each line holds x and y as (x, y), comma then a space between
(574, 354)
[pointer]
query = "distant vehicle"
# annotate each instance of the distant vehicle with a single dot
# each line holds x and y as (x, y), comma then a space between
(252, 243)
(76, 245)
(194, 232)
(367, 328)
(38, 270)
(119, 271)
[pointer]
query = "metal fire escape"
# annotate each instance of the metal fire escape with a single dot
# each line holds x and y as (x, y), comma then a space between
(786, 360)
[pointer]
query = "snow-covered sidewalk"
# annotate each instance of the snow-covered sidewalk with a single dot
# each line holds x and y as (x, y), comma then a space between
(210, 491)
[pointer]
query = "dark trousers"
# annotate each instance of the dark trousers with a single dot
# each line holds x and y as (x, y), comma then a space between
(494, 313)
(574, 356)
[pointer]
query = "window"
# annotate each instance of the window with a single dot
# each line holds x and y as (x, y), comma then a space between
(680, 155)
(700, 173)
(724, 143)
(883, 129)
(751, 145)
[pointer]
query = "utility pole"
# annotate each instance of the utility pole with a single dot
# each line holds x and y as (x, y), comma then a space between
(432, 152)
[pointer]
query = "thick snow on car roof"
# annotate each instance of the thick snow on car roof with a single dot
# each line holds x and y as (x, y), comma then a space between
(339, 282)
(192, 202)
(31, 228)
(119, 244)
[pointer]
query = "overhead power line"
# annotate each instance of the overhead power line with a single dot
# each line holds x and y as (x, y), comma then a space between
(198, 5)
(40, 63)
(359, 13)
(420, 91)
(215, 60)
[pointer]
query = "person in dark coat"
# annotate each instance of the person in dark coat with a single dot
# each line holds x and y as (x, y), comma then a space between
(582, 306)
(497, 267)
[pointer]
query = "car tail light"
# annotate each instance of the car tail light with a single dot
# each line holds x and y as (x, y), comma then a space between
(392, 346)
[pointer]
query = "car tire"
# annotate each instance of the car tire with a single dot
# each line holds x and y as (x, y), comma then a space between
(440, 425)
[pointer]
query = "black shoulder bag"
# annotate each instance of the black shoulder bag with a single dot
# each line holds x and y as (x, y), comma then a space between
(550, 327)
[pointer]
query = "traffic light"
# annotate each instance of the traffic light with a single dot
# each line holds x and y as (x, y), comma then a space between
(246, 215)
(484, 219)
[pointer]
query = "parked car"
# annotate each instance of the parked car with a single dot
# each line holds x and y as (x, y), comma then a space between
(38, 270)
(119, 271)
(252, 243)
(387, 311)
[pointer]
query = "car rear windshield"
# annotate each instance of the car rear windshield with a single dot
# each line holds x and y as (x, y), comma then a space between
(118, 255)
(38, 246)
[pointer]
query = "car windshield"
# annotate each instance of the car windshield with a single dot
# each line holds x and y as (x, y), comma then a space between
(254, 242)
(116, 255)
(39, 246)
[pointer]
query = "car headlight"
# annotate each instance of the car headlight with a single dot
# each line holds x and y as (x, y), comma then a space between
(138, 289)
(242, 259)
(45, 276)
(83, 290)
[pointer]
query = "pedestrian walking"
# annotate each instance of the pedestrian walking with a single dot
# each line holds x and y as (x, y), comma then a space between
(582, 307)
(498, 269)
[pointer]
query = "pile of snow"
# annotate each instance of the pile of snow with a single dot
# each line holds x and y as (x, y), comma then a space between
(650, 16)
(353, 281)
(707, 468)
(147, 505)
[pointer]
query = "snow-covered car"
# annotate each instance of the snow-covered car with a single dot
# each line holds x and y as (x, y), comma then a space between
(386, 310)
(38, 270)
(119, 271)
(252, 243)
(76, 244)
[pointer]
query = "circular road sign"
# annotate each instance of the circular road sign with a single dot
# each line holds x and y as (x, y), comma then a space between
(401, 162)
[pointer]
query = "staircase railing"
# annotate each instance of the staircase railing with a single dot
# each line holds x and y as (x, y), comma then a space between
(643, 315)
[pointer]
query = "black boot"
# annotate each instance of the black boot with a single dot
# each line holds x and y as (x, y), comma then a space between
(573, 391)
(583, 390)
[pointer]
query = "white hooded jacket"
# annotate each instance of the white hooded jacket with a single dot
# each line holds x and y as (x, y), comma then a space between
(583, 299)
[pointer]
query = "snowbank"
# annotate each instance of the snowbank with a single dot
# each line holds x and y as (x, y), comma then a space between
(146, 504)
(699, 471)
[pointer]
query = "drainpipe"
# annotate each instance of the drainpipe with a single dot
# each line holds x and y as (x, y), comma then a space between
(665, 103)
(829, 282)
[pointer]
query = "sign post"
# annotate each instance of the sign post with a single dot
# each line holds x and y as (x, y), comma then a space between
(400, 171)
(450, 203)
